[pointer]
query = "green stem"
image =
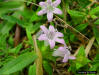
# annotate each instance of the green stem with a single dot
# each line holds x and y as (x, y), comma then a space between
(64, 12)
(39, 69)
(64, 9)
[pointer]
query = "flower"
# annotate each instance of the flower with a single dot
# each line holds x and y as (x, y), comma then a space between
(51, 36)
(63, 52)
(49, 7)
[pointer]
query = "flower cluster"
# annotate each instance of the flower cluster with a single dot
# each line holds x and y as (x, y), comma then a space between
(51, 35)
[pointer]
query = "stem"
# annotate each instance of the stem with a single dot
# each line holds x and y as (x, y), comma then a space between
(32, 3)
(17, 35)
(73, 30)
(39, 69)
(64, 10)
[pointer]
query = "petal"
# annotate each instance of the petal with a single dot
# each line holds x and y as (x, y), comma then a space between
(58, 53)
(52, 43)
(41, 12)
(42, 4)
(72, 57)
(57, 11)
(60, 40)
(56, 3)
(51, 28)
(61, 48)
(50, 16)
(59, 34)
(49, 1)
(65, 58)
(42, 37)
(44, 29)
(39, 33)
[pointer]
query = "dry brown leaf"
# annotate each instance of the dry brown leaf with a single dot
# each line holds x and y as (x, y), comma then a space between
(88, 47)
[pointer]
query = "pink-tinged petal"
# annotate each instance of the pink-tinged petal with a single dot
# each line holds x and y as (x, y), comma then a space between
(42, 4)
(59, 34)
(58, 53)
(50, 16)
(57, 11)
(49, 1)
(41, 12)
(44, 29)
(60, 40)
(56, 3)
(72, 57)
(61, 48)
(52, 43)
(65, 58)
(51, 28)
(42, 37)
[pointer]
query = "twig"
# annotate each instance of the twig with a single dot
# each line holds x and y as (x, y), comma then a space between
(59, 73)
(39, 69)
(71, 28)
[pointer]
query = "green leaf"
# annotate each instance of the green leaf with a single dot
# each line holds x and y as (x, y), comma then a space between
(96, 32)
(81, 27)
(81, 52)
(96, 22)
(81, 59)
(32, 70)
(72, 37)
(33, 28)
(95, 64)
(11, 41)
(29, 35)
(78, 65)
(77, 13)
(18, 63)
(47, 67)
(13, 19)
(94, 11)
(72, 66)
(79, 16)
(26, 14)
(10, 5)
(16, 49)
(6, 28)
(3, 43)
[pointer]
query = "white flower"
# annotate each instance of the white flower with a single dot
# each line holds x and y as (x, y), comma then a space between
(51, 36)
(63, 52)
(49, 7)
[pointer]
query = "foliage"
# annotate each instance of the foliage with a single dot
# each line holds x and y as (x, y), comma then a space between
(19, 22)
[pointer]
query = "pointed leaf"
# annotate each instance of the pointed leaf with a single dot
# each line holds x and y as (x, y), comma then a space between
(18, 63)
